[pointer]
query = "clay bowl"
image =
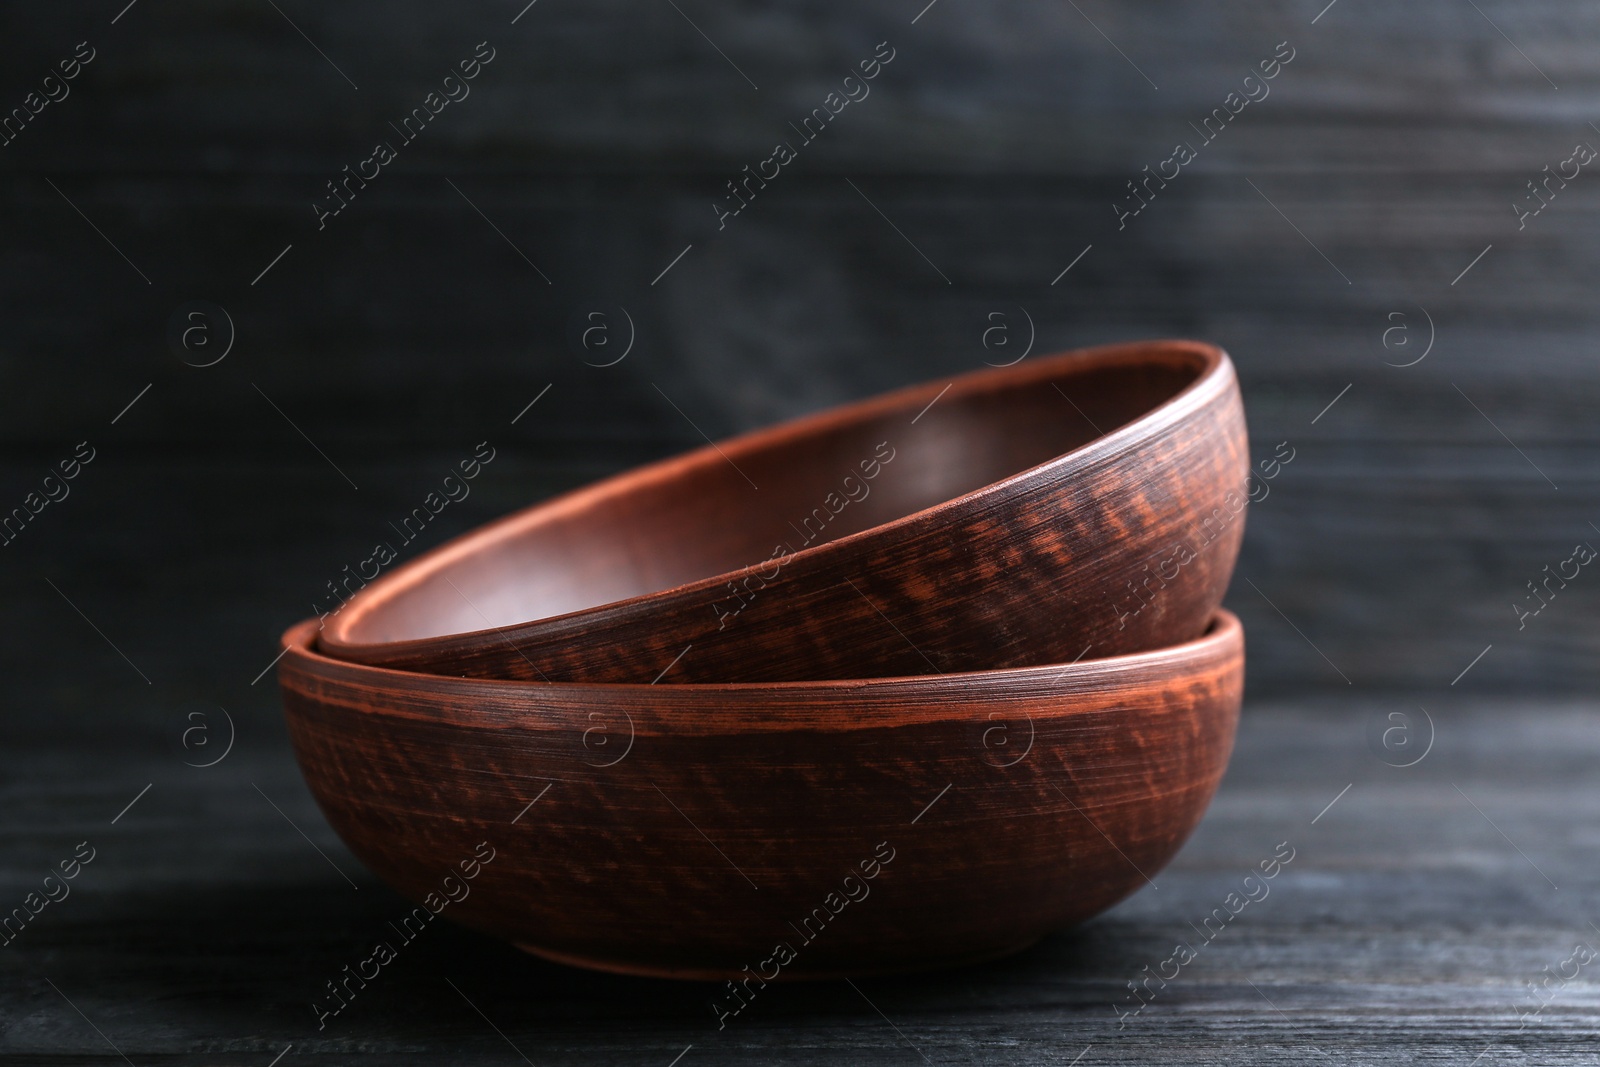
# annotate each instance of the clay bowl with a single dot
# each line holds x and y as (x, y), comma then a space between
(871, 826)
(1088, 503)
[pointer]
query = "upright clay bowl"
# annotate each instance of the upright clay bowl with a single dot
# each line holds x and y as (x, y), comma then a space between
(689, 831)
(1089, 503)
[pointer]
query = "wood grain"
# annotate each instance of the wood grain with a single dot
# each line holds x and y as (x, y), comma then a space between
(1405, 929)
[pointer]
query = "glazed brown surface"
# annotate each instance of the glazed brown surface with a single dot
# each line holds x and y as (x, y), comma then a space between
(981, 524)
(681, 830)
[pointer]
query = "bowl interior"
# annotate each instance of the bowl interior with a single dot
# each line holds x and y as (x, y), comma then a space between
(716, 514)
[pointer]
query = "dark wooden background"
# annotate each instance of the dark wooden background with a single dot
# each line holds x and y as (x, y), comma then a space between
(428, 314)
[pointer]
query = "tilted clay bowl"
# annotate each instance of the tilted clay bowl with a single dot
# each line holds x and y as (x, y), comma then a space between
(1088, 503)
(870, 826)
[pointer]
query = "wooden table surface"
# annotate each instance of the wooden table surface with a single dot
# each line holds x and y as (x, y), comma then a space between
(1409, 926)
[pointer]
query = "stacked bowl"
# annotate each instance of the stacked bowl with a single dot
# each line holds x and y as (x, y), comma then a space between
(905, 684)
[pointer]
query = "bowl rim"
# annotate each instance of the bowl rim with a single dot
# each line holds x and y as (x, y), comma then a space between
(1216, 375)
(1223, 630)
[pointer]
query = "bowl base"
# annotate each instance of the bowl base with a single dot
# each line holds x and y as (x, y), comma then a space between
(788, 974)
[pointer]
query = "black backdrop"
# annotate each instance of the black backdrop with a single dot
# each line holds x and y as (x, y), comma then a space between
(1361, 214)
(595, 147)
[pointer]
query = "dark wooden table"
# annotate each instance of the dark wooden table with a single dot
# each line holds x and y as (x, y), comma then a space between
(1415, 914)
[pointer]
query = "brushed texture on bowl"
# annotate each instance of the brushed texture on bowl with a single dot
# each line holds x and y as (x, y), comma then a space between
(691, 830)
(1090, 502)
